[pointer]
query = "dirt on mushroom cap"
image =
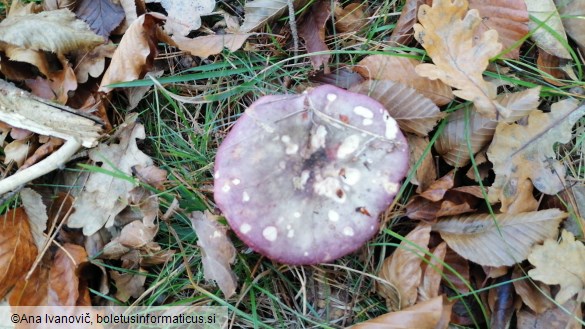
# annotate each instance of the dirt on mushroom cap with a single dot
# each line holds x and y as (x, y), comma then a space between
(303, 178)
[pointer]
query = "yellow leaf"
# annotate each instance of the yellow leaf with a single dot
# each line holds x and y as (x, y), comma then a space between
(560, 263)
(446, 32)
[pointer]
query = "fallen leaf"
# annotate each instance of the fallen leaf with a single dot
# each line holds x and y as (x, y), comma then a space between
(32, 292)
(259, 12)
(34, 57)
(217, 251)
(350, 18)
(532, 293)
(479, 130)
(453, 203)
(432, 275)
(56, 31)
(208, 45)
(457, 279)
(430, 314)
(135, 235)
(448, 37)
(402, 69)
(105, 195)
(438, 188)
(414, 112)
(499, 239)
(519, 153)
(57, 85)
(572, 12)
(17, 248)
(549, 66)
(128, 284)
(403, 31)
(42, 152)
(312, 30)
(131, 13)
(92, 62)
(426, 172)
(403, 268)
(16, 151)
(509, 18)
(560, 263)
(58, 4)
(63, 276)
(566, 317)
(342, 78)
(184, 16)
(102, 16)
(135, 53)
(545, 18)
(151, 175)
(36, 212)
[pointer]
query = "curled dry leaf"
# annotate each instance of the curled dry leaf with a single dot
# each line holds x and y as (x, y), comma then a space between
(453, 203)
(17, 248)
(519, 153)
(184, 16)
(136, 235)
(56, 31)
(341, 77)
(452, 142)
(402, 69)
(208, 45)
(64, 282)
(545, 18)
(350, 18)
(312, 30)
(446, 31)
(413, 112)
(560, 263)
(259, 12)
(403, 268)
(16, 151)
(92, 63)
(103, 16)
(509, 18)
(438, 188)
(501, 239)
(217, 251)
(403, 32)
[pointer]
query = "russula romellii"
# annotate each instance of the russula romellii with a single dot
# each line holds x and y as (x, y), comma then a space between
(303, 178)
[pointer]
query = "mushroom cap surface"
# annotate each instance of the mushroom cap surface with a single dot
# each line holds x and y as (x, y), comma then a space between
(302, 179)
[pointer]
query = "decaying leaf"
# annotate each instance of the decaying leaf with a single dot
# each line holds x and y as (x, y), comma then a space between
(453, 203)
(217, 251)
(63, 278)
(402, 69)
(446, 31)
(414, 112)
(36, 212)
(208, 45)
(32, 292)
(509, 18)
(426, 172)
(560, 263)
(403, 32)
(501, 239)
(57, 31)
(519, 153)
(572, 12)
(128, 284)
(549, 65)
(432, 275)
(92, 63)
(403, 268)
(566, 317)
(546, 18)
(535, 295)
(184, 16)
(350, 18)
(103, 16)
(259, 12)
(312, 30)
(16, 151)
(17, 248)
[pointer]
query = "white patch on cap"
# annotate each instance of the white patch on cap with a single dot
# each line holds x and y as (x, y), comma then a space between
(348, 231)
(297, 214)
(291, 148)
(236, 181)
(245, 196)
(306, 253)
(351, 177)
(216, 175)
(299, 182)
(285, 139)
(349, 145)
(333, 215)
(245, 228)
(367, 122)
(270, 233)
(331, 97)
(290, 233)
(318, 138)
(390, 187)
(363, 112)
(329, 187)
(216, 234)
(282, 165)
(391, 126)
(226, 187)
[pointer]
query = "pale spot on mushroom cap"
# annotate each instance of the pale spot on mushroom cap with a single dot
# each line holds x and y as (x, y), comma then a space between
(216, 234)
(390, 187)
(226, 187)
(285, 139)
(282, 165)
(367, 122)
(306, 253)
(331, 97)
(270, 233)
(291, 148)
(236, 181)
(297, 214)
(329, 187)
(245, 196)
(352, 176)
(245, 228)
(363, 112)
(349, 145)
(391, 127)
(333, 215)
(290, 233)
(348, 231)
(300, 182)
(318, 138)
(216, 175)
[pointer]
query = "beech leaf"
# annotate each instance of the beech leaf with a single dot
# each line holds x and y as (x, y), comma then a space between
(208, 45)
(403, 32)
(259, 12)
(312, 30)
(184, 16)
(519, 153)
(217, 251)
(572, 12)
(545, 17)
(103, 16)
(501, 239)
(560, 263)
(350, 18)
(446, 31)
(64, 281)
(36, 211)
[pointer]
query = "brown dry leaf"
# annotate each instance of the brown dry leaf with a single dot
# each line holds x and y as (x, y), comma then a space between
(64, 280)
(341, 77)
(403, 268)
(32, 292)
(56, 31)
(43, 151)
(34, 57)
(17, 248)
(414, 112)
(130, 15)
(452, 143)
(432, 275)
(438, 188)
(128, 284)
(36, 212)
(135, 235)
(312, 30)
(208, 45)
(58, 84)
(184, 16)
(403, 32)
(448, 37)
(519, 153)
(509, 18)
(503, 242)
(545, 18)
(453, 203)
(17, 151)
(430, 314)
(350, 18)
(58, 4)
(556, 317)
(572, 12)
(217, 251)
(402, 69)
(549, 65)
(103, 16)
(135, 53)
(532, 295)
(92, 63)
(259, 12)
(104, 196)
(560, 263)
(524, 200)
(426, 172)
(459, 279)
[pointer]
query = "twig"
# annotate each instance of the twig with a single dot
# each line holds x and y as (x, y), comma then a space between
(293, 28)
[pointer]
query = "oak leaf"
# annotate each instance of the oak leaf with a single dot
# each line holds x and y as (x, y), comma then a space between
(312, 30)
(499, 239)
(208, 45)
(446, 31)
(560, 263)
(546, 18)
(103, 16)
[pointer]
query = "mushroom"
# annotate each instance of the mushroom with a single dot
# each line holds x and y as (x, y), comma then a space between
(303, 178)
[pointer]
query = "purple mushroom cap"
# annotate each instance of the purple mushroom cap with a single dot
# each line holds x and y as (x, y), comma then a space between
(303, 178)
